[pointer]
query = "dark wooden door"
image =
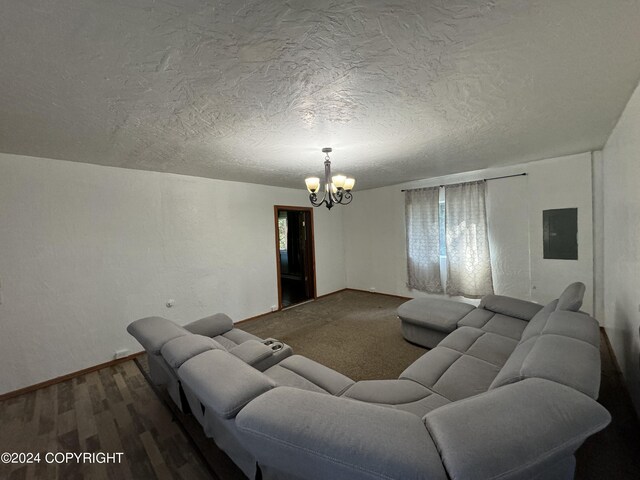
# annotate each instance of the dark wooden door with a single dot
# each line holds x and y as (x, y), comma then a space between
(295, 255)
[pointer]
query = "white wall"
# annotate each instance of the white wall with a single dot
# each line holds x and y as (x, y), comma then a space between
(622, 243)
(375, 230)
(86, 249)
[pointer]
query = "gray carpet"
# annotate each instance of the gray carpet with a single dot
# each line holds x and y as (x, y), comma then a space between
(355, 333)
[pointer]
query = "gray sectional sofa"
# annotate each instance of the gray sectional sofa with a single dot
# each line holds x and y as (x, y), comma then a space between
(509, 393)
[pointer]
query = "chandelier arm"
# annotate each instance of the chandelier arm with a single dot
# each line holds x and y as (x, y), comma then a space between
(346, 199)
(313, 198)
(330, 201)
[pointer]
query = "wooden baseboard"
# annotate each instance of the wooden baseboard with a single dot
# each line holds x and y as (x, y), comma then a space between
(110, 363)
(324, 296)
(380, 293)
(68, 376)
(255, 317)
(332, 293)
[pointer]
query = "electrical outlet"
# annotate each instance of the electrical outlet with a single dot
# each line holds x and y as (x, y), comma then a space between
(274, 308)
(123, 352)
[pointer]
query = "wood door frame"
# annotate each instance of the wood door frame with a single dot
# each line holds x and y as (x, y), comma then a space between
(277, 208)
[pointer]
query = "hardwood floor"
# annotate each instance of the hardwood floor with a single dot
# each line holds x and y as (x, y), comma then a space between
(112, 410)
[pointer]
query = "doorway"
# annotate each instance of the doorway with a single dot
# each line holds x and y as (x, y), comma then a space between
(295, 255)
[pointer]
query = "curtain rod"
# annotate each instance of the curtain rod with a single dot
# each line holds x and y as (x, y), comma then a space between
(483, 179)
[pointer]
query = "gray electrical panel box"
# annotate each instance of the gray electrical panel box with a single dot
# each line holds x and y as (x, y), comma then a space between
(560, 233)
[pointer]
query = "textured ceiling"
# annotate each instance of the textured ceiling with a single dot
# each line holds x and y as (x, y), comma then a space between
(252, 90)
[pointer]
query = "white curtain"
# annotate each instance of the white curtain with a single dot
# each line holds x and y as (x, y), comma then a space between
(423, 239)
(468, 259)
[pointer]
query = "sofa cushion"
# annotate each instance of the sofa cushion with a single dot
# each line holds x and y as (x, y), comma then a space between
(304, 435)
(571, 298)
(504, 325)
(514, 432)
(404, 395)
(251, 351)
(434, 313)
(180, 349)
(223, 383)
(486, 346)
(574, 325)
(302, 372)
(154, 332)
(477, 318)
(511, 371)
(235, 337)
(495, 323)
(451, 374)
(538, 322)
(565, 360)
(562, 359)
(510, 306)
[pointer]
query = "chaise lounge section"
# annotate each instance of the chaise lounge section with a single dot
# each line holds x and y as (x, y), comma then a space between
(428, 321)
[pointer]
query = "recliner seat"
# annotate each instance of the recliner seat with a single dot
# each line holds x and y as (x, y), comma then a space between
(169, 345)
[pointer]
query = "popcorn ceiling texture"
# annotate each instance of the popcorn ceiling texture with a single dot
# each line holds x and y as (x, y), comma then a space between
(252, 90)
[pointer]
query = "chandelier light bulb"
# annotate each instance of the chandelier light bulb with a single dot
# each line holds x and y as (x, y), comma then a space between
(338, 181)
(349, 184)
(313, 184)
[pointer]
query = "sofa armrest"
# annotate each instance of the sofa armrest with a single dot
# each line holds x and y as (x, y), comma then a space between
(252, 352)
(211, 326)
(510, 306)
(302, 434)
(515, 431)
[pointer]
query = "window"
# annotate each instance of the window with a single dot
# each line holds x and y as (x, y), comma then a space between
(467, 241)
(447, 240)
(282, 232)
(423, 245)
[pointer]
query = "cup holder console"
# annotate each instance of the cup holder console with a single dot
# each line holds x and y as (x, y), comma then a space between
(274, 344)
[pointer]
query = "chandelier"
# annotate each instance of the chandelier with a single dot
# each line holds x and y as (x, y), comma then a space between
(337, 189)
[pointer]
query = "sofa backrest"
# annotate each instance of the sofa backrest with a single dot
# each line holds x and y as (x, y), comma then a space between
(571, 298)
(567, 351)
(222, 382)
(538, 322)
(180, 349)
(211, 326)
(509, 306)
(154, 332)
